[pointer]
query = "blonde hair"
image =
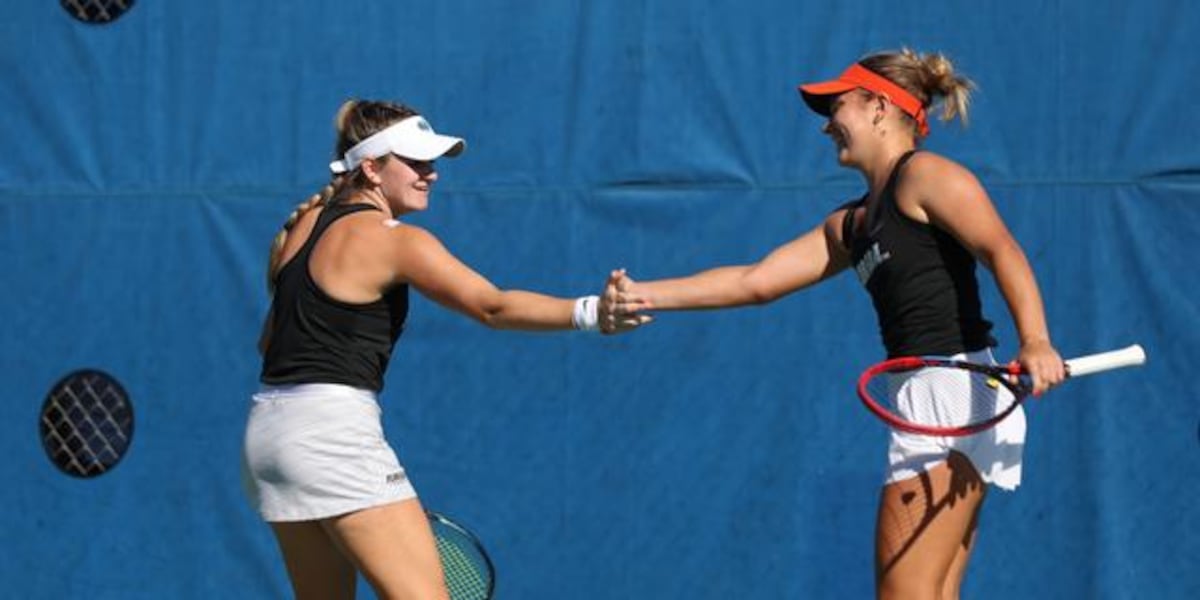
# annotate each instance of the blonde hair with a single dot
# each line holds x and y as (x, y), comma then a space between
(928, 77)
(356, 120)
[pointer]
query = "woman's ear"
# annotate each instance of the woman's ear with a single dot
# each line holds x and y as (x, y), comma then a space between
(881, 104)
(370, 170)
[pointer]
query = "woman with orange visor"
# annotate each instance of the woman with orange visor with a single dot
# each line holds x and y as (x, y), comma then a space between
(913, 239)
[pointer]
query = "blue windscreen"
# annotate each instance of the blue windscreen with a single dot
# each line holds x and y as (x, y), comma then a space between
(718, 454)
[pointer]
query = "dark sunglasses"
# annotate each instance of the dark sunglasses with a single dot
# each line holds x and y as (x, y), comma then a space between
(420, 166)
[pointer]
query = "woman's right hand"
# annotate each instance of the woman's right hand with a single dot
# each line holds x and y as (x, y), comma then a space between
(620, 308)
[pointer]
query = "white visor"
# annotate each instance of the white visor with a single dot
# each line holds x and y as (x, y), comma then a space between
(411, 138)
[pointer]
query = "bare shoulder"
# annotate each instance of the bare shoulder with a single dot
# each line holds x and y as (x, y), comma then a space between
(406, 242)
(935, 184)
(398, 232)
(416, 256)
(932, 170)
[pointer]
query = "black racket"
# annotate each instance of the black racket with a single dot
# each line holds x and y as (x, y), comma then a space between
(465, 563)
(938, 396)
(86, 423)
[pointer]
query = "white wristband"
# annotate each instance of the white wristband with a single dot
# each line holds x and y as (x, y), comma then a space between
(586, 316)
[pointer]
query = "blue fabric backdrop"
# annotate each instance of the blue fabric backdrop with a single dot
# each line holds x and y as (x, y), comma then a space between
(711, 455)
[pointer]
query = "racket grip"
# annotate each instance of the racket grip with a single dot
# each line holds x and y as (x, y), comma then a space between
(1105, 361)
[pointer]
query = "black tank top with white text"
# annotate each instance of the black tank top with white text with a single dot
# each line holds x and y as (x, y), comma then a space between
(318, 339)
(921, 279)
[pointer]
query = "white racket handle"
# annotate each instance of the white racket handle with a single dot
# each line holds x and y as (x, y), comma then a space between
(1094, 363)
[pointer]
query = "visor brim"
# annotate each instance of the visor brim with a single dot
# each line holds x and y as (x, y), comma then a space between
(818, 96)
(432, 147)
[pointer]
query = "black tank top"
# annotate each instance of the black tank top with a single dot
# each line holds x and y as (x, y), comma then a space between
(921, 279)
(318, 339)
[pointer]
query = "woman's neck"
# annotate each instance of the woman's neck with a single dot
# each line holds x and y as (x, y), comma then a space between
(373, 197)
(878, 171)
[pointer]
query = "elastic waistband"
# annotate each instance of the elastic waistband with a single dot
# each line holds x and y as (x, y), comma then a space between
(314, 390)
(983, 357)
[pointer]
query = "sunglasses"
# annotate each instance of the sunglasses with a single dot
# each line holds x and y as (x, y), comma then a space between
(420, 166)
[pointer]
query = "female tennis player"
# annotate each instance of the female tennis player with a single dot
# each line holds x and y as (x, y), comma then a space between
(913, 239)
(317, 466)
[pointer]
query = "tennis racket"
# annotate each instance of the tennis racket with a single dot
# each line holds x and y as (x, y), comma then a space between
(86, 423)
(938, 396)
(468, 570)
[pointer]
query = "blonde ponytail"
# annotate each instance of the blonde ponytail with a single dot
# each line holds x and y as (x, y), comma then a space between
(930, 77)
(953, 88)
(275, 255)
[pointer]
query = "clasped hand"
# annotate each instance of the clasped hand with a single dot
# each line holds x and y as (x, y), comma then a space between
(621, 309)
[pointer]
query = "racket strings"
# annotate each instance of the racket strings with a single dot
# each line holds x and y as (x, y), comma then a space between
(468, 575)
(942, 396)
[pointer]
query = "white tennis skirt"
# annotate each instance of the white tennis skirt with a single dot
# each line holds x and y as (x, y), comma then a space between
(995, 452)
(317, 450)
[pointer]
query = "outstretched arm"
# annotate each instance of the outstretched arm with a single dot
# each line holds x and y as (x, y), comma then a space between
(808, 259)
(425, 263)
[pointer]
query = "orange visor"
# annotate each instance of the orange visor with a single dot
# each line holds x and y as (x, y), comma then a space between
(819, 95)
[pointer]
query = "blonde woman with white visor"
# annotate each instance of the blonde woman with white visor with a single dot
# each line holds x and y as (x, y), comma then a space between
(316, 464)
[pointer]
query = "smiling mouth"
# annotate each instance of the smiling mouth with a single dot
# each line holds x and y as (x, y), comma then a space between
(835, 135)
(839, 139)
